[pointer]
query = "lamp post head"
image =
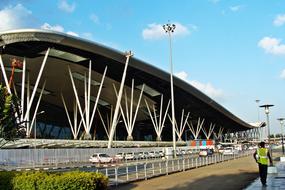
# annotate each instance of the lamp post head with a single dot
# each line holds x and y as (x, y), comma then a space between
(257, 101)
(169, 28)
(266, 107)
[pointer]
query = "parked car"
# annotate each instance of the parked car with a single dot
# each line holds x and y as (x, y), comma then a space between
(129, 156)
(100, 158)
(120, 156)
(203, 153)
(139, 155)
(152, 154)
(230, 151)
(206, 152)
(161, 153)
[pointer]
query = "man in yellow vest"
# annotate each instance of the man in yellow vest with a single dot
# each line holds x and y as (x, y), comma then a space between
(262, 156)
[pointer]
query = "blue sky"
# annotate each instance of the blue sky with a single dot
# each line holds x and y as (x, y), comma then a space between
(232, 50)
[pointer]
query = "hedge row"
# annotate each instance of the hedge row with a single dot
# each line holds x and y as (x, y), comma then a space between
(38, 180)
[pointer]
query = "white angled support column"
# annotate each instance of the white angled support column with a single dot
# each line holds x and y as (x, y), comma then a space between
(36, 109)
(129, 117)
(4, 75)
(23, 89)
(158, 124)
(87, 120)
(209, 132)
(179, 130)
(36, 85)
(195, 132)
(117, 108)
(75, 128)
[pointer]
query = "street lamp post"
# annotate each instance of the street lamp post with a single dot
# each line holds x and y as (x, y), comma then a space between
(266, 108)
(169, 29)
(281, 120)
(258, 119)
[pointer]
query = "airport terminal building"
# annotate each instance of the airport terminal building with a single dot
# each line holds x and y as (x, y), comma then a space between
(71, 88)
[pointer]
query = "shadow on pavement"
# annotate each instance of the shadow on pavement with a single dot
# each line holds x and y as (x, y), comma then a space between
(220, 182)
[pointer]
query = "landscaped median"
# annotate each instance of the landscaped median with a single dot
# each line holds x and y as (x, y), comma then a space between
(40, 180)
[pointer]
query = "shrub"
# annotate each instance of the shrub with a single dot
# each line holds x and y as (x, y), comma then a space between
(6, 180)
(74, 180)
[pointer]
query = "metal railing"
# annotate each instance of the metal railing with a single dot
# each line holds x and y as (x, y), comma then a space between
(145, 170)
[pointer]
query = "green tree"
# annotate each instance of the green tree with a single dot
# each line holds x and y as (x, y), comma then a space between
(10, 125)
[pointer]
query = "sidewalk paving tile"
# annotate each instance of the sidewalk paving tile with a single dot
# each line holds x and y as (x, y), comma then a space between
(274, 181)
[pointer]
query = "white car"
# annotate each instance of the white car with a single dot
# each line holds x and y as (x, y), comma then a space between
(203, 153)
(230, 151)
(100, 158)
(129, 156)
(120, 156)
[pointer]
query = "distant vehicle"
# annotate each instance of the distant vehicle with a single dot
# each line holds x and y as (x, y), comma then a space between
(139, 155)
(152, 154)
(100, 158)
(146, 155)
(120, 156)
(161, 153)
(129, 156)
(230, 151)
(206, 152)
(221, 150)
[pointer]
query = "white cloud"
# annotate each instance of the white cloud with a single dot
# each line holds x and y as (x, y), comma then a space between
(235, 8)
(279, 20)
(15, 17)
(64, 6)
(72, 33)
(207, 88)
(272, 45)
(282, 75)
(155, 31)
(57, 28)
(94, 18)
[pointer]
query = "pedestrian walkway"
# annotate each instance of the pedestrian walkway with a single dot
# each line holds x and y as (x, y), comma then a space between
(274, 181)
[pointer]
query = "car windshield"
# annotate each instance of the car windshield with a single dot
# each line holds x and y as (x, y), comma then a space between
(104, 155)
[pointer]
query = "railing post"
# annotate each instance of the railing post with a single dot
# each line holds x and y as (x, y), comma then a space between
(166, 166)
(160, 168)
(127, 172)
(137, 174)
(172, 165)
(145, 176)
(153, 169)
(116, 176)
(188, 163)
(183, 164)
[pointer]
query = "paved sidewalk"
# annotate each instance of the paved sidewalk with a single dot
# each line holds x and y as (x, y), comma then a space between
(274, 181)
(230, 175)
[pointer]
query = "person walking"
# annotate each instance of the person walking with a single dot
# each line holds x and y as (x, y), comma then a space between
(262, 156)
